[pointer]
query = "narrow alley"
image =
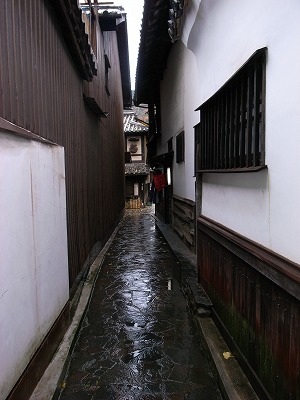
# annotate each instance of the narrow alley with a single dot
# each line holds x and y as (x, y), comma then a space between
(138, 339)
(106, 107)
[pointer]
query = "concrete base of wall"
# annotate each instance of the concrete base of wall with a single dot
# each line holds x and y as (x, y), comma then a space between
(232, 381)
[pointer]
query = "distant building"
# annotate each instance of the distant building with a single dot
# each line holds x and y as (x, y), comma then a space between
(137, 171)
(222, 82)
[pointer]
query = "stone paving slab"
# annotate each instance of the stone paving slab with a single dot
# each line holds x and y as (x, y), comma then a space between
(233, 383)
(138, 339)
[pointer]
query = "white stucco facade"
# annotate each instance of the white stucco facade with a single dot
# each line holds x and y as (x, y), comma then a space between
(218, 37)
(179, 98)
(33, 238)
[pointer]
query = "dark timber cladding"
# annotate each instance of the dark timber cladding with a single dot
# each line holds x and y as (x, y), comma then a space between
(256, 298)
(183, 220)
(43, 65)
(155, 45)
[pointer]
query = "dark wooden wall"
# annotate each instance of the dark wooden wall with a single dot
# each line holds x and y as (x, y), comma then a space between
(256, 295)
(183, 220)
(41, 89)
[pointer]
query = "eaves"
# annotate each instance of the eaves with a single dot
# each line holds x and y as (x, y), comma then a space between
(73, 31)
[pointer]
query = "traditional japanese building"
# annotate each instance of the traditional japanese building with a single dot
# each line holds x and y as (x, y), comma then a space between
(222, 82)
(64, 81)
(137, 171)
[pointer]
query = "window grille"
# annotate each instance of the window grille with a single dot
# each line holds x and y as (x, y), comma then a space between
(231, 134)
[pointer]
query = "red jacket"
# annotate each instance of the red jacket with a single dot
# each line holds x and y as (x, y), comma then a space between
(159, 182)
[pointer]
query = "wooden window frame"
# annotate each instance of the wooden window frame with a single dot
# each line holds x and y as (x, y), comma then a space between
(224, 140)
(107, 67)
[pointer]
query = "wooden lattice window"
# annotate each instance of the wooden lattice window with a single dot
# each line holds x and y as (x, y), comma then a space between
(231, 134)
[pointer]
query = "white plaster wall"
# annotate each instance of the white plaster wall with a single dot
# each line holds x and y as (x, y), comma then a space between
(222, 35)
(179, 98)
(33, 259)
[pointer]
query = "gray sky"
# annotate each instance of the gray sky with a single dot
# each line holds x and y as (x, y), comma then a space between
(134, 9)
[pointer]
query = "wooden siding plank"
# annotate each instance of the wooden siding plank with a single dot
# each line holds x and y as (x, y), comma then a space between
(214, 134)
(218, 134)
(231, 131)
(236, 125)
(226, 130)
(209, 137)
(256, 102)
(23, 61)
(1, 73)
(17, 62)
(41, 90)
(243, 122)
(222, 156)
(254, 291)
(28, 69)
(249, 118)
(11, 115)
(262, 110)
(183, 220)
(34, 65)
(204, 148)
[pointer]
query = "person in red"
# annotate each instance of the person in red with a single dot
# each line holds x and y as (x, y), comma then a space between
(158, 184)
(159, 181)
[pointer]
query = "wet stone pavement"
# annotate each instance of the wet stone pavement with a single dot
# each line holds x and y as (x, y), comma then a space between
(138, 340)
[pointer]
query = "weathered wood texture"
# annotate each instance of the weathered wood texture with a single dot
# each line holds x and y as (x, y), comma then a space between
(256, 295)
(134, 203)
(231, 133)
(183, 220)
(41, 89)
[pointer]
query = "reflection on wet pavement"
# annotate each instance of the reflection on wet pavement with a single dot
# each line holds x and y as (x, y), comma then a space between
(137, 340)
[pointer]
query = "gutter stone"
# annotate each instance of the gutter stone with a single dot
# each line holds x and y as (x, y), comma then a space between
(233, 383)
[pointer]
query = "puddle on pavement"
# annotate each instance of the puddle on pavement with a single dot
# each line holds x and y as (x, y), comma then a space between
(137, 341)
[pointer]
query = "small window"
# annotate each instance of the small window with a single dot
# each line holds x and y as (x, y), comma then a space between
(107, 67)
(180, 147)
(231, 134)
(170, 145)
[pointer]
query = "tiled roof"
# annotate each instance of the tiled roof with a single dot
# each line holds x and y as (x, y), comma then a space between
(132, 125)
(137, 169)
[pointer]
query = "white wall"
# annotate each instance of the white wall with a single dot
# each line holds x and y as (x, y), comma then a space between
(33, 258)
(263, 206)
(179, 98)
